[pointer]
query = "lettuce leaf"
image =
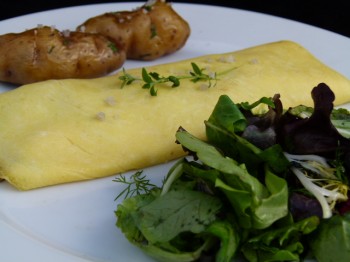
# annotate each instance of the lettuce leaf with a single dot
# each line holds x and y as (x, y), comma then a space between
(256, 205)
(231, 197)
(331, 241)
(169, 213)
(281, 244)
(156, 223)
(229, 239)
(315, 134)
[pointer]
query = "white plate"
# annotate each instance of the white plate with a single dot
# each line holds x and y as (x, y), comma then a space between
(76, 222)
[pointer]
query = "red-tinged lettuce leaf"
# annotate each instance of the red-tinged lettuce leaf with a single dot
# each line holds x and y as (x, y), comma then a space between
(316, 134)
(344, 207)
(302, 206)
(245, 137)
(340, 117)
(260, 129)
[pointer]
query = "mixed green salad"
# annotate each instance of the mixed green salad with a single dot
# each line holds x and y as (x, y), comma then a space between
(266, 185)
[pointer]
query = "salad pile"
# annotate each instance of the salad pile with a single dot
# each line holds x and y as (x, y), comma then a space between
(266, 185)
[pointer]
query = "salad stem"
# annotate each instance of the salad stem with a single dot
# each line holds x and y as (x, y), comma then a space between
(314, 189)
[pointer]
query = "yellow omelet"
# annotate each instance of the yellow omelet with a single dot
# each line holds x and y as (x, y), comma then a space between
(61, 131)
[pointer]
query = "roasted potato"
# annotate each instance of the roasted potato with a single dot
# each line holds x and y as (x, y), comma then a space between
(98, 47)
(147, 33)
(45, 53)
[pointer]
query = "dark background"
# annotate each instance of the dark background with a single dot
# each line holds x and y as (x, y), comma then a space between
(331, 15)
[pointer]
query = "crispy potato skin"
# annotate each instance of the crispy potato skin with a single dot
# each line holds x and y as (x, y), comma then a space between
(147, 33)
(99, 46)
(45, 53)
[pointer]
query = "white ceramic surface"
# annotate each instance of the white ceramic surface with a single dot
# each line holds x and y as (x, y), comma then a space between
(76, 222)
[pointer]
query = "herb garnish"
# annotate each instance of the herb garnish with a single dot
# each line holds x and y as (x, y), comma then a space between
(153, 31)
(147, 8)
(151, 79)
(66, 41)
(136, 185)
(113, 47)
(51, 49)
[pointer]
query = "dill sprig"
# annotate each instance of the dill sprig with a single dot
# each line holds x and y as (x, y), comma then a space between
(151, 79)
(137, 184)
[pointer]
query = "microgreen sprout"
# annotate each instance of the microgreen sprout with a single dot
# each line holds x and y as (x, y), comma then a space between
(326, 196)
(137, 184)
(313, 163)
(151, 79)
(319, 179)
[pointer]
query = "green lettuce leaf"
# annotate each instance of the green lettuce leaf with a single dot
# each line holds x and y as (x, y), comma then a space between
(331, 241)
(161, 226)
(228, 116)
(229, 237)
(231, 197)
(126, 219)
(224, 129)
(279, 244)
(256, 205)
(167, 216)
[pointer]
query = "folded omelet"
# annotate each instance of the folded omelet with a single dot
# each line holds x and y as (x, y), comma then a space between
(60, 131)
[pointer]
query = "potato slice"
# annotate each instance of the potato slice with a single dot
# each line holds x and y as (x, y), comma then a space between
(61, 131)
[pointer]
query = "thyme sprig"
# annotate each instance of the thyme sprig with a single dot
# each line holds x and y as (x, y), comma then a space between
(136, 185)
(151, 79)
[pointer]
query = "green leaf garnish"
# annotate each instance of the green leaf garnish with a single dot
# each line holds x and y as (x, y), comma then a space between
(153, 31)
(51, 49)
(113, 47)
(146, 77)
(151, 79)
(136, 185)
(126, 78)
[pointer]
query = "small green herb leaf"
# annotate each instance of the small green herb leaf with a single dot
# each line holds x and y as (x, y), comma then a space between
(136, 185)
(113, 47)
(153, 31)
(145, 76)
(151, 79)
(174, 80)
(126, 79)
(51, 49)
(66, 42)
(153, 91)
(154, 75)
(196, 69)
